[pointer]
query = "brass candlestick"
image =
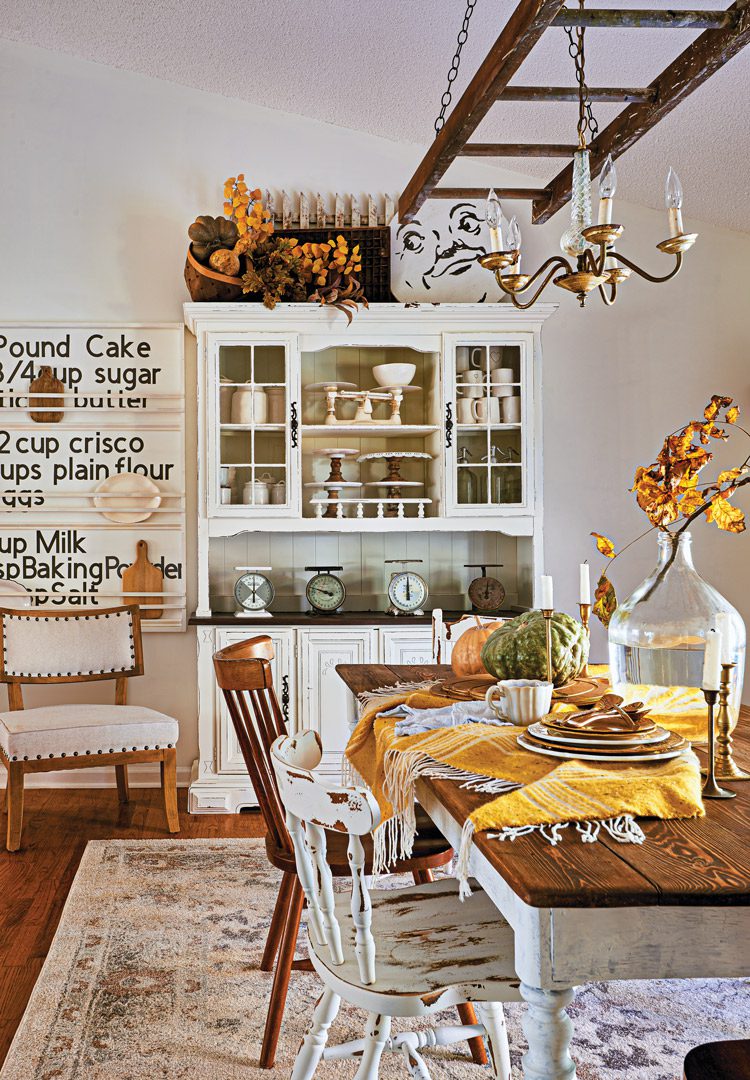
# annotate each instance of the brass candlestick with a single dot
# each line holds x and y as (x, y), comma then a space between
(711, 789)
(585, 610)
(547, 613)
(726, 769)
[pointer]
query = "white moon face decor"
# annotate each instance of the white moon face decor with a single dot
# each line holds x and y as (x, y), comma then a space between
(434, 257)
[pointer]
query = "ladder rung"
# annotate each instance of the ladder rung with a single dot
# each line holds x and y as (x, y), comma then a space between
(564, 93)
(610, 18)
(481, 193)
(518, 150)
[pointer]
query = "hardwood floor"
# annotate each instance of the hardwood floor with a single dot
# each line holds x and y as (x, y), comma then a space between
(34, 881)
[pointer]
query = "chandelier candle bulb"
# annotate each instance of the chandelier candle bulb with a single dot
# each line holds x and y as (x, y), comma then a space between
(712, 660)
(514, 242)
(607, 189)
(494, 217)
(673, 200)
(584, 579)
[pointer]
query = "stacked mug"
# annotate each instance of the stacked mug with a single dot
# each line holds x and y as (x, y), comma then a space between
(476, 406)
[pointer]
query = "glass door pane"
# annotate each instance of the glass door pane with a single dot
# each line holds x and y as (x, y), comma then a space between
(253, 437)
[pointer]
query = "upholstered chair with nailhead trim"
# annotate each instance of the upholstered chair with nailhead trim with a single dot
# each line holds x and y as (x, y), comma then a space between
(66, 647)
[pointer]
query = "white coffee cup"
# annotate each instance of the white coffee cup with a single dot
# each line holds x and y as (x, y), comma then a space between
(473, 390)
(496, 355)
(486, 409)
(465, 411)
(463, 358)
(511, 409)
(474, 378)
(524, 701)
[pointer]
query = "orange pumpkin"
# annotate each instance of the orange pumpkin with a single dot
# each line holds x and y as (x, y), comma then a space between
(466, 658)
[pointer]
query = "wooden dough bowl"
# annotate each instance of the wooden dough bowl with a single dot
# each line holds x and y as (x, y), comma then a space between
(205, 284)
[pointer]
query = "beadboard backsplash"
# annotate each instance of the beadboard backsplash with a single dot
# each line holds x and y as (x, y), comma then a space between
(362, 556)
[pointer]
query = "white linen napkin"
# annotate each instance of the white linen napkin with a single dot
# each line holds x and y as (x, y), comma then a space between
(415, 721)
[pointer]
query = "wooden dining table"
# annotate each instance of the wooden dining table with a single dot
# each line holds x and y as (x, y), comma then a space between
(675, 907)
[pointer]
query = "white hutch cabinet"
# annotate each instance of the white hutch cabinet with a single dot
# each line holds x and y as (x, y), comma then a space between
(472, 412)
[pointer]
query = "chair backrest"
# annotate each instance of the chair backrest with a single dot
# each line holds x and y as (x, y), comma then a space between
(243, 673)
(446, 634)
(39, 646)
(312, 807)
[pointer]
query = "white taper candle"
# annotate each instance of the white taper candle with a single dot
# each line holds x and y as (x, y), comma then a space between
(545, 591)
(584, 583)
(712, 660)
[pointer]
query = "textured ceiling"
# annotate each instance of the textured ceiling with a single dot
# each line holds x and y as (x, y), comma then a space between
(380, 67)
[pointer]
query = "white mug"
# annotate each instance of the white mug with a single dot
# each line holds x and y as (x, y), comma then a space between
(485, 409)
(465, 411)
(501, 379)
(496, 354)
(524, 701)
(468, 356)
(511, 409)
(474, 378)
(474, 390)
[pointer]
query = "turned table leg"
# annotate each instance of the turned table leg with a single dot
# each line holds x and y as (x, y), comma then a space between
(548, 1029)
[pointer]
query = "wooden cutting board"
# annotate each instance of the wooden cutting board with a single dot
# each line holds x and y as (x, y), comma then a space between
(46, 410)
(143, 577)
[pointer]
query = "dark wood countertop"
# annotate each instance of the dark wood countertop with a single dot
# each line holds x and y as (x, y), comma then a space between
(692, 861)
(345, 618)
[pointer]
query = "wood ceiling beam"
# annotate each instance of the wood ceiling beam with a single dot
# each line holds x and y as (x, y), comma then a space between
(518, 150)
(654, 20)
(617, 94)
(691, 69)
(517, 38)
(481, 193)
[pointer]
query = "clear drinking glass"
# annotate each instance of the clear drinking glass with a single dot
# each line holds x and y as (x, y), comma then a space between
(657, 636)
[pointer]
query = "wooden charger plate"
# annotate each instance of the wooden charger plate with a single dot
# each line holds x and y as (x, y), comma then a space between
(584, 690)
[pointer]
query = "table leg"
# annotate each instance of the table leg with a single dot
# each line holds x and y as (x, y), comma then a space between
(548, 1029)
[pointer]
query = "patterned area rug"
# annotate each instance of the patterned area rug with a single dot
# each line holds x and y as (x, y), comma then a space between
(154, 973)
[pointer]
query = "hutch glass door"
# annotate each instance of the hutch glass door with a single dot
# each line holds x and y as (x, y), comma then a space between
(488, 452)
(255, 420)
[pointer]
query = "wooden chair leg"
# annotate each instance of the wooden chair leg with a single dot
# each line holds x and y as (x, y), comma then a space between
(123, 788)
(280, 986)
(14, 804)
(169, 788)
(466, 1012)
(278, 922)
(313, 1044)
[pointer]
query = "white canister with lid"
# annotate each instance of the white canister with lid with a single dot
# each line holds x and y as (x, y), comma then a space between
(249, 405)
(278, 493)
(275, 404)
(256, 492)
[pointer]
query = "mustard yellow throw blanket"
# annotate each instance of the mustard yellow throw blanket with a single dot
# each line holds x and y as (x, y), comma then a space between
(533, 793)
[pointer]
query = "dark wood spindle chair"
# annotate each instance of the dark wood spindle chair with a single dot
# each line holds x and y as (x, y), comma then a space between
(719, 1061)
(243, 673)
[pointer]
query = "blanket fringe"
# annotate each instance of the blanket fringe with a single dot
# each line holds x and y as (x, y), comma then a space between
(368, 696)
(462, 861)
(625, 829)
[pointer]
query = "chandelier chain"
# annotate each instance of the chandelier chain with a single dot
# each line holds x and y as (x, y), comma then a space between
(463, 34)
(577, 51)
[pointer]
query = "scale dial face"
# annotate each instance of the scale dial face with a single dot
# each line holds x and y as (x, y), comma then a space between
(325, 593)
(486, 593)
(253, 591)
(407, 591)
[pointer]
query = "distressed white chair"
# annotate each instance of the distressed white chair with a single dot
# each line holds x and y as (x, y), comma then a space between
(408, 952)
(65, 647)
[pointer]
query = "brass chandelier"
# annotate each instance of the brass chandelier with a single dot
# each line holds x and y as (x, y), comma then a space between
(598, 264)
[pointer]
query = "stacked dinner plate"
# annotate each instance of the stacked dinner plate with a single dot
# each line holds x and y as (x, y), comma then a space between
(610, 731)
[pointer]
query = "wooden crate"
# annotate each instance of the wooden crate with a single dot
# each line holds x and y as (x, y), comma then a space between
(374, 245)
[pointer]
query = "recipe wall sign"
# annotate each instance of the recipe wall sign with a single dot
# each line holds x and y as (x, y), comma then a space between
(93, 466)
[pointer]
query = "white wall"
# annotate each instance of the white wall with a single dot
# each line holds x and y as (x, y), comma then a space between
(101, 172)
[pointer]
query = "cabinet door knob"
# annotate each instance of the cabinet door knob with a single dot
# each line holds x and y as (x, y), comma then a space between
(448, 425)
(294, 424)
(285, 697)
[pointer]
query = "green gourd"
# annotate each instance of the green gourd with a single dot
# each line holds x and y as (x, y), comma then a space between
(209, 234)
(518, 650)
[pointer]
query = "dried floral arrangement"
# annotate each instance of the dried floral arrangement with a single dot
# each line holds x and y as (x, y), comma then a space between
(669, 494)
(242, 245)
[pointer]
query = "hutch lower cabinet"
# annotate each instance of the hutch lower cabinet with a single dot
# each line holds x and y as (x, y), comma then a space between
(408, 439)
(310, 693)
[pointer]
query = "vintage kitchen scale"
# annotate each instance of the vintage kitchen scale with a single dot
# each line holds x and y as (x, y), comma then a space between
(407, 590)
(254, 592)
(486, 593)
(325, 591)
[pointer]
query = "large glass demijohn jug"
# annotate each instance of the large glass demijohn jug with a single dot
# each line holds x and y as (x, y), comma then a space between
(657, 636)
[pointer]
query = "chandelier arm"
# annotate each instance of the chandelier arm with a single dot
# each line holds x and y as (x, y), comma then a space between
(609, 300)
(556, 261)
(644, 273)
(540, 290)
(592, 263)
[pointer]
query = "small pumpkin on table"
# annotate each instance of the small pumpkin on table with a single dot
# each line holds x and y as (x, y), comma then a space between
(518, 648)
